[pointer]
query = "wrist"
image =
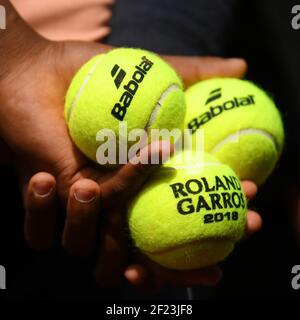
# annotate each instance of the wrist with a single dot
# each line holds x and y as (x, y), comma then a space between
(16, 41)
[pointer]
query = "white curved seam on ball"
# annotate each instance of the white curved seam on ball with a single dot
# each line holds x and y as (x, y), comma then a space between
(83, 85)
(235, 137)
(171, 88)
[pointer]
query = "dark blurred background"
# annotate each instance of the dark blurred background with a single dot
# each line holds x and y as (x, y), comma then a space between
(259, 31)
(261, 267)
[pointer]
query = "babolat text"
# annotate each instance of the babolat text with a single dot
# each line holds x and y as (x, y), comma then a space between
(120, 108)
(213, 112)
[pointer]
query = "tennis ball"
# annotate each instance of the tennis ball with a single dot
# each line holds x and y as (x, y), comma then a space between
(189, 215)
(126, 85)
(242, 126)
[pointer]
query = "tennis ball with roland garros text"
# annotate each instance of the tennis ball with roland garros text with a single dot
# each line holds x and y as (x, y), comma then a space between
(241, 125)
(190, 213)
(131, 86)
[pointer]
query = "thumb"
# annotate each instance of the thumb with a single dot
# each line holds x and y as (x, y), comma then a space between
(78, 53)
(195, 69)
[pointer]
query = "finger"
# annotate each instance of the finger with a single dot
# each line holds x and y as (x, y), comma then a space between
(195, 69)
(112, 257)
(79, 235)
(40, 211)
(250, 189)
(105, 15)
(136, 274)
(129, 178)
(254, 223)
(143, 281)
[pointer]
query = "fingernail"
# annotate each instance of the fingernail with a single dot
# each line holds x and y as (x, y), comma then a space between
(135, 276)
(235, 60)
(84, 196)
(131, 274)
(42, 189)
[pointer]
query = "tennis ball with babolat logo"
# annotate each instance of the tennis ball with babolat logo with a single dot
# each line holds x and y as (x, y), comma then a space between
(190, 213)
(242, 126)
(125, 85)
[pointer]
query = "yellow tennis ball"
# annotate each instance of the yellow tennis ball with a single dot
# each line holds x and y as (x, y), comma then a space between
(190, 213)
(131, 86)
(242, 126)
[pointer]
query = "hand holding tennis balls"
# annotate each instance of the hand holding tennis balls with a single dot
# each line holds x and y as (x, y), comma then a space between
(190, 216)
(242, 126)
(125, 85)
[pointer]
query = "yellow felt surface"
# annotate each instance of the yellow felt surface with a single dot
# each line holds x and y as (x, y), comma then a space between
(196, 255)
(253, 156)
(157, 225)
(91, 111)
